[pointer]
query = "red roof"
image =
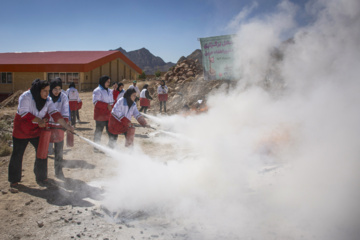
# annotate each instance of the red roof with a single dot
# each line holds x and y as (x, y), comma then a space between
(62, 61)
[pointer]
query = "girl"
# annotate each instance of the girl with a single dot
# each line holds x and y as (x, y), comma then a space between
(121, 114)
(145, 98)
(103, 101)
(34, 104)
(162, 94)
(73, 95)
(118, 92)
(61, 103)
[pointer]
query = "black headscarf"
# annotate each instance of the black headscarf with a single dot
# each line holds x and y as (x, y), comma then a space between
(119, 85)
(53, 84)
(145, 86)
(103, 80)
(35, 90)
(162, 83)
(72, 84)
(127, 95)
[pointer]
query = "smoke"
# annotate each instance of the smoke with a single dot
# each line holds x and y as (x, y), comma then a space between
(264, 162)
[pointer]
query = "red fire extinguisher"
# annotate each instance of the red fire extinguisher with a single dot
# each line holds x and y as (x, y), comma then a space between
(69, 139)
(129, 139)
(42, 150)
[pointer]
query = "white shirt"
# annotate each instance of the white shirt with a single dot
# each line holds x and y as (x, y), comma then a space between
(136, 89)
(100, 94)
(121, 109)
(27, 105)
(121, 94)
(62, 106)
(142, 94)
(161, 90)
(73, 94)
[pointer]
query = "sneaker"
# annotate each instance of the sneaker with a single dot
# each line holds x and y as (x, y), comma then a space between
(46, 183)
(59, 174)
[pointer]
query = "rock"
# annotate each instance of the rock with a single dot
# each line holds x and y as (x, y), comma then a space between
(190, 74)
(4, 192)
(29, 202)
(40, 224)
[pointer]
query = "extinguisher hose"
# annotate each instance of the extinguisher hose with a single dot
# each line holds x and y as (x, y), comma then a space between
(65, 130)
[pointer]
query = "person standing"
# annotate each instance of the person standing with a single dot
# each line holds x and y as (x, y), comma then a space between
(136, 89)
(29, 120)
(103, 101)
(120, 119)
(121, 91)
(74, 98)
(145, 98)
(162, 95)
(118, 92)
(61, 103)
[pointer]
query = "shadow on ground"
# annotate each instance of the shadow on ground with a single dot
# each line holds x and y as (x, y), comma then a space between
(70, 192)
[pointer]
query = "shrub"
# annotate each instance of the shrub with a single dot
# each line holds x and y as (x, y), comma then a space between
(157, 73)
(142, 75)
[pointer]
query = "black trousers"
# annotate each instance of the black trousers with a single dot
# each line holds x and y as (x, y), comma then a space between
(58, 149)
(98, 132)
(15, 165)
(164, 106)
(144, 108)
(73, 117)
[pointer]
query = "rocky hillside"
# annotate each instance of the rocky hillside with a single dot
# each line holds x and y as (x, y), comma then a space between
(197, 54)
(146, 60)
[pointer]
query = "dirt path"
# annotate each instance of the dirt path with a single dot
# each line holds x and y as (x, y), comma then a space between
(72, 210)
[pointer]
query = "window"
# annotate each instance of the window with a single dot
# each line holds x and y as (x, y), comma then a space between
(6, 77)
(66, 78)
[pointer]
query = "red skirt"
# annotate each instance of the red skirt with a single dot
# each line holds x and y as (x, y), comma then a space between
(163, 97)
(144, 102)
(79, 105)
(118, 127)
(73, 105)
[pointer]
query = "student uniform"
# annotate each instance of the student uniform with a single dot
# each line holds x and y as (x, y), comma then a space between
(26, 131)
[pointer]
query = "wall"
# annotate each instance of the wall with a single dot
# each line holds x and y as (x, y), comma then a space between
(23, 80)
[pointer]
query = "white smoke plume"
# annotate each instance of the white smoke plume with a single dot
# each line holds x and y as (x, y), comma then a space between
(263, 164)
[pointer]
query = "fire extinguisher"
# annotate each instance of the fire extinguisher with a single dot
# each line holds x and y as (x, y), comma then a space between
(42, 150)
(129, 139)
(69, 139)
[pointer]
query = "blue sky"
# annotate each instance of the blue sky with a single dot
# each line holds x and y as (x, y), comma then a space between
(168, 29)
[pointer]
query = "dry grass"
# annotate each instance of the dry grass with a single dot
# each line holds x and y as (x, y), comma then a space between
(5, 138)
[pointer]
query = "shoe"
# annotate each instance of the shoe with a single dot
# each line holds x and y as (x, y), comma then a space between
(14, 185)
(46, 183)
(59, 174)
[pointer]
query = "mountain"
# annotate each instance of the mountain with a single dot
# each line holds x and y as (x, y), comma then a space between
(197, 54)
(146, 60)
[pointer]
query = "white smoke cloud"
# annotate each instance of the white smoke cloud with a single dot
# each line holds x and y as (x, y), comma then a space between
(259, 165)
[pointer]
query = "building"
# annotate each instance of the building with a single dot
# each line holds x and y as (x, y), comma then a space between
(19, 70)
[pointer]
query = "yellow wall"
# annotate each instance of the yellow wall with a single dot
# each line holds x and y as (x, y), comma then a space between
(23, 80)
(88, 80)
(6, 87)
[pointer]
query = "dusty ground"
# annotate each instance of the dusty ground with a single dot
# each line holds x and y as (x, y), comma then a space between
(73, 209)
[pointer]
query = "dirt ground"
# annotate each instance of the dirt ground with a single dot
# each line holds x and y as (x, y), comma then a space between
(72, 210)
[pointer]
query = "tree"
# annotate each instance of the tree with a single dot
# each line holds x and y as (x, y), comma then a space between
(142, 75)
(157, 73)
